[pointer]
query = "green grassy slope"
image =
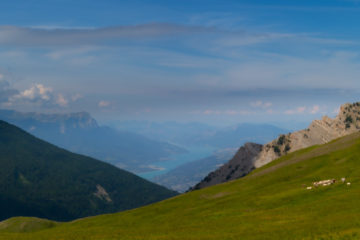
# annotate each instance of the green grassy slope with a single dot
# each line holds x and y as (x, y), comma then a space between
(25, 224)
(39, 179)
(270, 203)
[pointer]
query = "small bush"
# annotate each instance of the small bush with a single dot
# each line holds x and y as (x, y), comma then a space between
(281, 140)
(348, 119)
(287, 148)
(276, 149)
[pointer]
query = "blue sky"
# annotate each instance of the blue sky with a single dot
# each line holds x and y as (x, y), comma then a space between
(220, 62)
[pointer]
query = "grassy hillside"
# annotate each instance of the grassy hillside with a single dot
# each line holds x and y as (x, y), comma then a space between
(42, 180)
(270, 203)
(25, 224)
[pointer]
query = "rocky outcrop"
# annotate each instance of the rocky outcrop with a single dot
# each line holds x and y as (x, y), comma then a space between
(319, 132)
(102, 194)
(240, 165)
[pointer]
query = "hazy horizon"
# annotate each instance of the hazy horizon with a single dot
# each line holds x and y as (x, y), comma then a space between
(219, 63)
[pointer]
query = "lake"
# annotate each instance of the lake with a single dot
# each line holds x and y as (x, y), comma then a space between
(194, 153)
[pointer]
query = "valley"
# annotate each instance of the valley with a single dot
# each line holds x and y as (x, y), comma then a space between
(179, 120)
(192, 154)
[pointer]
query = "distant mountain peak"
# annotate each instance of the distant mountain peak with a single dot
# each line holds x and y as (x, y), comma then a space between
(79, 132)
(74, 120)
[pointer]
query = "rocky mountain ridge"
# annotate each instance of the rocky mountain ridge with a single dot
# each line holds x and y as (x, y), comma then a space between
(319, 132)
(80, 133)
(65, 122)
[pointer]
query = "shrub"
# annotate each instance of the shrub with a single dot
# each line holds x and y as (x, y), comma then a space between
(281, 140)
(276, 149)
(287, 148)
(348, 119)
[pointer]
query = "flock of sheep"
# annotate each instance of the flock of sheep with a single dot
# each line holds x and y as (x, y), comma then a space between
(327, 183)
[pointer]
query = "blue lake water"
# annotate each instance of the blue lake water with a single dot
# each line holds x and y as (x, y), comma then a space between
(194, 153)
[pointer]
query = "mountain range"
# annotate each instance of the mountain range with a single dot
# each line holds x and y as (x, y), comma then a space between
(39, 179)
(80, 133)
(200, 134)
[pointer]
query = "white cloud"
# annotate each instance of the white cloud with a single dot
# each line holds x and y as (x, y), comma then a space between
(261, 104)
(37, 95)
(225, 112)
(16, 54)
(336, 110)
(76, 97)
(103, 104)
(3, 83)
(75, 36)
(71, 52)
(212, 112)
(231, 112)
(315, 109)
(299, 110)
(270, 111)
(250, 39)
(82, 61)
(37, 91)
(61, 101)
(302, 110)
(30, 36)
(256, 104)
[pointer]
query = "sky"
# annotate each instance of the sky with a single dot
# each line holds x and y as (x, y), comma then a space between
(213, 61)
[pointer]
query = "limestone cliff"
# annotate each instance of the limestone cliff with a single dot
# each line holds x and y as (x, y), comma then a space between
(319, 132)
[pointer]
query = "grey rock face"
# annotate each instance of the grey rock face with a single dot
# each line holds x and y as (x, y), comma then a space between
(240, 165)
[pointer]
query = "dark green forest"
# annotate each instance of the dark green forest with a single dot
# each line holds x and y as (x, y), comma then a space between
(42, 180)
